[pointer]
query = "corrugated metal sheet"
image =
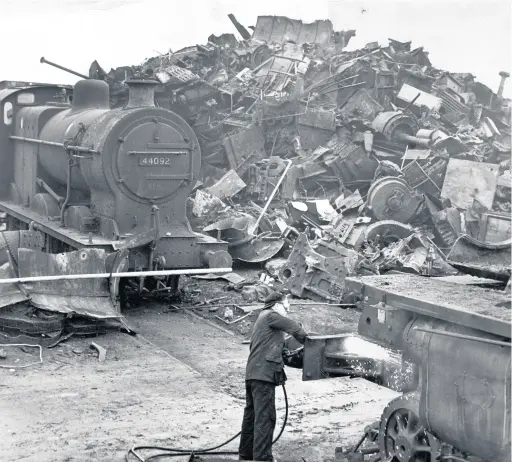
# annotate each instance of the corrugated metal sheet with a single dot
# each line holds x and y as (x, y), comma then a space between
(450, 104)
(280, 29)
(175, 75)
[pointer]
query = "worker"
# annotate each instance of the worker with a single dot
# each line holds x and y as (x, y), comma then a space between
(265, 370)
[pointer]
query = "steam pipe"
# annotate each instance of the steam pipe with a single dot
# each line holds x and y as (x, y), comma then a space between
(62, 68)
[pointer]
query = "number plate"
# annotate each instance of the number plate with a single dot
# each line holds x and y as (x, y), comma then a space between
(155, 161)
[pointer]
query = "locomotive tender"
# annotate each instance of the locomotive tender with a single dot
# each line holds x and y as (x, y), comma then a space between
(455, 376)
(84, 176)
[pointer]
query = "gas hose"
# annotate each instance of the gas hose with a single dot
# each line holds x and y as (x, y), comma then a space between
(175, 452)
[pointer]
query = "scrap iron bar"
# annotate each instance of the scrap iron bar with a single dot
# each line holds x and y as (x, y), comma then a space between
(255, 226)
(62, 68)
(128, 274)
(53, 143)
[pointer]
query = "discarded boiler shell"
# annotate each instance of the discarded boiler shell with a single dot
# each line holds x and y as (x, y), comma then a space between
(391, 198)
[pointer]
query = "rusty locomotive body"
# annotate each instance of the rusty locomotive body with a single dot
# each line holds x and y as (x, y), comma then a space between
(82, 176)
(446, 349)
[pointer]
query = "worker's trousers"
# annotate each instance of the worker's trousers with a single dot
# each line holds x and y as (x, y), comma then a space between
(259, 421)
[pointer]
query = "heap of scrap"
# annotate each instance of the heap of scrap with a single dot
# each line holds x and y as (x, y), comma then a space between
(340, 162)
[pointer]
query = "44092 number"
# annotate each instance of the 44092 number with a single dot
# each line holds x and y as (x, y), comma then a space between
(152, 161)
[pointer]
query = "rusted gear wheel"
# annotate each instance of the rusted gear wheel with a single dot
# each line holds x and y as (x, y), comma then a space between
(402, 437)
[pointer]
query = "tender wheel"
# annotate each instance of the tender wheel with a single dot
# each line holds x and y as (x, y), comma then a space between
(402, 437)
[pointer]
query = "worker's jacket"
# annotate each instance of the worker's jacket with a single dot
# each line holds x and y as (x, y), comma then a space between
(267, 341)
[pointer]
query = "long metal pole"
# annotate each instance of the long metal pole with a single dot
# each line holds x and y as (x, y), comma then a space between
(58, 66)
(129, 274)
(255, 226)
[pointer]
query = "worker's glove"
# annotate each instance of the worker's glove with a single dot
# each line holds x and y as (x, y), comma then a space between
(294, 358)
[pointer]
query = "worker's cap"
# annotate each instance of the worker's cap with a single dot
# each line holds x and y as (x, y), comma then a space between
(274, 297)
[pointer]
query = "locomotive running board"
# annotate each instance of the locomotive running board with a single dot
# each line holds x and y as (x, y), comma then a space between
(69, 236)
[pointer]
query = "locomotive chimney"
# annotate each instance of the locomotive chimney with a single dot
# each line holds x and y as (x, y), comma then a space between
(141, 92)
(504, 75)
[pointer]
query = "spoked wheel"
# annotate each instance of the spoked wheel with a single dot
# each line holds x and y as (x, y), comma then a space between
(403, 438)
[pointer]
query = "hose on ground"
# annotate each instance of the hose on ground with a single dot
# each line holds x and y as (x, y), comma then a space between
(175, 452)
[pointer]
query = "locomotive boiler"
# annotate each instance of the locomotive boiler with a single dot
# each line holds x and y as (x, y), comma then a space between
(454, 376)
(78, 175)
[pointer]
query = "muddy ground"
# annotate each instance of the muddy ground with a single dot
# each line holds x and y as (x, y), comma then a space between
(179, 382)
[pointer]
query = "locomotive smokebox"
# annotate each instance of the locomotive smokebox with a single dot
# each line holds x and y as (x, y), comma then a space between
(141, 93)
(90, 94)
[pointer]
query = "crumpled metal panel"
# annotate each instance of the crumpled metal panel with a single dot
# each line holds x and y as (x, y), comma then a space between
(491, 259)
(245, 148)
(316, 127)
(280, 29)
(10, 294)
(466, 180)
(87, 297)
(175, 75)
(318, 272)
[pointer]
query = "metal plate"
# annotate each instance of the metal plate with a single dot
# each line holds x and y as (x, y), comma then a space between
(151, 139)
(87, 297)
(163, 160)
(281, 29)
(466, 181)
(258, 250)
(473, 307)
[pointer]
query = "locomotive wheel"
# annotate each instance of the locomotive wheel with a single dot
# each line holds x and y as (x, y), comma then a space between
(402, 437)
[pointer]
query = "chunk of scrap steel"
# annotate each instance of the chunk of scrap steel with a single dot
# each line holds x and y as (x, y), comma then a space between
(319, 271)
(243, 244)
(102, 352)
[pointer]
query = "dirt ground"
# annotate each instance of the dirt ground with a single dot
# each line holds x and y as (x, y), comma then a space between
(178, 383)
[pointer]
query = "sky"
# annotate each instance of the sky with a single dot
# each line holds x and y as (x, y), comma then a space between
(461, 36)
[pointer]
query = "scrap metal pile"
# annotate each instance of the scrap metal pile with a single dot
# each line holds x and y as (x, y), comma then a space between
(340, 162)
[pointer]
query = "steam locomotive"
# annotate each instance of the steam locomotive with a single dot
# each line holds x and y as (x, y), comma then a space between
(83, 176)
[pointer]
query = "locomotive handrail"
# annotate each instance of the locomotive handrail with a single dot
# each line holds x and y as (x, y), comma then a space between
(462, 336)
(55, 144)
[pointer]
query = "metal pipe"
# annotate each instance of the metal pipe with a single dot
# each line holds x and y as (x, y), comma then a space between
(412, 102)
(255, 226)
(53, 143)
(462, 336)
(413, 140)
(49, 190)
(62, 68)
(69, 277)
(246, 35)
(341, 88)
(71, 164)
